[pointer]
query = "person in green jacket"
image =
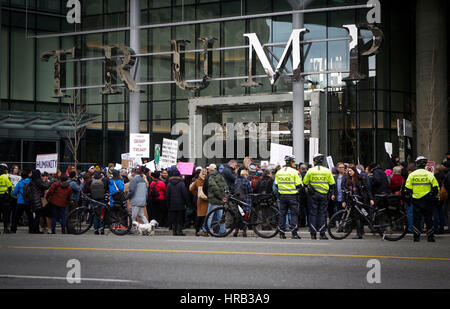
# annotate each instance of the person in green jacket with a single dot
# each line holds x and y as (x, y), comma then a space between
(216, 193)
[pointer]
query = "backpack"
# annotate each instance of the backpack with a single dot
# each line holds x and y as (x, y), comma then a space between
(206, 183)
(28, 194)
(239, 193)
(153, 191)
(97, 189)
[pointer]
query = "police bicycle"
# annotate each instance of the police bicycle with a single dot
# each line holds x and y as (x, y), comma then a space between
(262, 216)
(388, 219)
(117, 217)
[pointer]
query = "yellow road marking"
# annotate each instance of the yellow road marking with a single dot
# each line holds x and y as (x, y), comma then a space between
(231, 252)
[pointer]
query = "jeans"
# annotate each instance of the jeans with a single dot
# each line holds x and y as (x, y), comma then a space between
(216, 215)
(98, 221)
(439, 218)
(59, 214)
(409, 215)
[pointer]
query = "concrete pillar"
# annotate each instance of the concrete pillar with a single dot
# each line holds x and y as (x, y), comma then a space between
(431, 79)
(298, 92)
(135, 44)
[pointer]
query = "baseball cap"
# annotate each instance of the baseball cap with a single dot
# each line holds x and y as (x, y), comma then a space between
(212, 167)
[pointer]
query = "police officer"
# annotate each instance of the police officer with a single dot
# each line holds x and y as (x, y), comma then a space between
(423, 188)
(5, 197)
(320, 182)
(288, 185)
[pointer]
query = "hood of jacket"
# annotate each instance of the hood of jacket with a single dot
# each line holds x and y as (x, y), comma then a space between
(175, 179)
(64, 184)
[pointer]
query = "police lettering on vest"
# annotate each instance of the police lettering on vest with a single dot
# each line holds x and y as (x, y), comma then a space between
(421, 182)
(320, 178)
(287, 180)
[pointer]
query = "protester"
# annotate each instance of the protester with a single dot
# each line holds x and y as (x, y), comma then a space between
(242, 191)
(264, 185)
(58, 197)
(357, 185)
(378, 180)
(38, 190)
(397, 181)
(216, 187)
(439, 219)
(116, 189)
(177, 199)
(76, 184)
(196, 189)
(138, 195)
(98, 187)
(46, 212)
(229, 173)
(22, 205)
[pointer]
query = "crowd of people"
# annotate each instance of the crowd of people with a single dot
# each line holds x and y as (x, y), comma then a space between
(178, 201)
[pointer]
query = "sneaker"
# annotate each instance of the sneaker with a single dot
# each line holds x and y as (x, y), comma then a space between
(357, 237)
(296, 236)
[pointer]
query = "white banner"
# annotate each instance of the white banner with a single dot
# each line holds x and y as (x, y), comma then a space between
(330, 162)
(313, 148)
(47, 163)
(169, 153)
(139, 145)
(278, 152)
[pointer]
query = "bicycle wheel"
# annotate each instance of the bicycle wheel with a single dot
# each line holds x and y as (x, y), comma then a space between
(80, 220)
(392, 226)
(341, 225)
(119, 220)
(220, 222)
(265, 221)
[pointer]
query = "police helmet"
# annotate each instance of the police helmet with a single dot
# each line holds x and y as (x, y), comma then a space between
(318, 158)
(289, 158)
(421, 162)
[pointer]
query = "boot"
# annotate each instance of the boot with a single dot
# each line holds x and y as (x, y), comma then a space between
(324, 237)
(53, 231)
(244, 233)
(431, 239)
(416, 238)
(236, 232)
(174, 230)
(282, 235)
(180, 231)
(63, 230)
(295, 236)
(313, 236)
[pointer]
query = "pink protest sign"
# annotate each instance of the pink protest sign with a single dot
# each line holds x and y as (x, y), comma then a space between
(186, 168)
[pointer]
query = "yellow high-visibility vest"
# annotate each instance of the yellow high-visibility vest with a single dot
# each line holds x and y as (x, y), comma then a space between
(320, 178)
(287, 179)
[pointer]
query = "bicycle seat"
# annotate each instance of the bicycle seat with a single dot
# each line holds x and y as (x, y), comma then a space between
(383, 195)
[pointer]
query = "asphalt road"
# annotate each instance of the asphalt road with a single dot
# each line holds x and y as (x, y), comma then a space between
(166, 262)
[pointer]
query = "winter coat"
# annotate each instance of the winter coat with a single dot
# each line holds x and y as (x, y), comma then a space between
(59, 194)
(202, 205)
(160, 187)
(362, 189)
(264, 185)
(177, 195)
(18, 191)
(243, 188)
(137, 191)
(379, 181)
(39, 188)
(230, 177)
(216, 188)
(397, 182)
(112, 188)
(76, 190)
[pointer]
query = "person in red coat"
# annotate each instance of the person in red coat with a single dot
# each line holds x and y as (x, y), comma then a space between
(157, 208)
(397, 181)
(58, 197)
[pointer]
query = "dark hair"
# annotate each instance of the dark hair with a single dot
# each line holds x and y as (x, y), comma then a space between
(354, 178)
(72, 174)
(63, 178)
(116, 175)
(24, 174)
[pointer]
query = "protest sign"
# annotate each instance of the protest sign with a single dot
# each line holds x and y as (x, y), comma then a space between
(388, 147)
(139, 145)
(169, 153)
(430, 166)
(47, 163)
(186, 168)
(330, 162)
(313, 148)
(278, 152)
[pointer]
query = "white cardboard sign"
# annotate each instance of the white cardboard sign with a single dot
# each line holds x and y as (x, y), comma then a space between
(169, 153)
(139, 145)
(278, 152)
(47, 163)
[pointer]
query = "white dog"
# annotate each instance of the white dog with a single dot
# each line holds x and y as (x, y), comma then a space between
(146, 229)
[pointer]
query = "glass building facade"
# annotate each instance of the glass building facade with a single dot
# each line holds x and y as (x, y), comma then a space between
(362, 116)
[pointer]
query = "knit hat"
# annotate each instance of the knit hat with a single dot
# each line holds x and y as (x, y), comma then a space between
(176, 173)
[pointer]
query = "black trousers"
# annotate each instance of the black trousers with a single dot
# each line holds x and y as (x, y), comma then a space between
(289, 201)
(423, 208)
(157, 210)
(177, 218)
(198, 223)
(318, 216)
(18, 214)
(5, 205)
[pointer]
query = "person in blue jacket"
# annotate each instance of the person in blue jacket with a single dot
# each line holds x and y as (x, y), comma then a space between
(115, 184)
(22, 205)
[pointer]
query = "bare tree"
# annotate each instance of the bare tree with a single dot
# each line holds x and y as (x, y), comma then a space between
(430, 120)
(77, 118)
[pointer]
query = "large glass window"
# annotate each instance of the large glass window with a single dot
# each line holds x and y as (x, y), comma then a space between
(22, 66)
(5, 64)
